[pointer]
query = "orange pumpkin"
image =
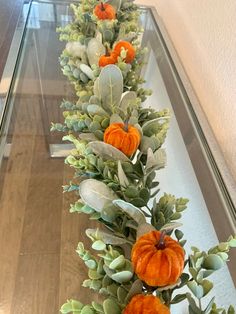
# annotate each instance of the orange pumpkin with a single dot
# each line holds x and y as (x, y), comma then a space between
(146, 304)
(105, 11)
(128, 47)
(157, 259)
(107, 59)
(123, 136)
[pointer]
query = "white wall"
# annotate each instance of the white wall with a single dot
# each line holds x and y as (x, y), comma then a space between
(203, 33)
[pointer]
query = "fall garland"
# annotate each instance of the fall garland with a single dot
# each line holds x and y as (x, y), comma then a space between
(141, 262)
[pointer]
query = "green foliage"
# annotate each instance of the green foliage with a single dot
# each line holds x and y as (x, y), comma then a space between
(114, 189)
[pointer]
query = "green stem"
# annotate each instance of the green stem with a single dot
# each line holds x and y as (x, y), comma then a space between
(200, 304)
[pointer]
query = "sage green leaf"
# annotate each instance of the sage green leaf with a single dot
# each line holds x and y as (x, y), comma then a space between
(196, 289)
(94, 275)
(115, 118)
(87, 310)
(122, 276)
(95, 50)
(109, 213)
(127, 99)
(131, 210)
(111, 307)
(91, 264)
(107, 151)
(112, 289)
(115, 3)
(213, 262)
(178, 298)
(87, 71)
(87, 137)
(117, 262)
(96, 194)
(97, 110)
(136, 288)
(124, 182)
(209, 306)
(108, 35)
(110, 86)
(121, 294)
(106, 237)
(97, 307)
(99, 245)
(96, 90)
(155, 161)
(153, 126)
(144, 228)
(171, 226)
(207, 286)
(149, 142)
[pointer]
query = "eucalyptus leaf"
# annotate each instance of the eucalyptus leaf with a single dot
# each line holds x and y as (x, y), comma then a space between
(96, 194)
(110, 86)
(111, 307)
(107, 151)
(131, 210)
(122, 276)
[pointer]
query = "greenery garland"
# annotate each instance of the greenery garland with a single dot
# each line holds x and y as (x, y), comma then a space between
(141, 263)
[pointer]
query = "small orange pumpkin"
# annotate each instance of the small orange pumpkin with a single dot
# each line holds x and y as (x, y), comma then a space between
(146, 304)
(123, 136)
(105, 11)
(107, 59)
(128, 47)
(157, 259)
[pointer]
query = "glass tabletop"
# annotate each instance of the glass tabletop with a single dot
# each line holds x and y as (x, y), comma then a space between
(39, 266)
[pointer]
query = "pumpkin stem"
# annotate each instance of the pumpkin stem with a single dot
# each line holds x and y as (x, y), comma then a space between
(161, 243)
(126, 125)
(103, 7)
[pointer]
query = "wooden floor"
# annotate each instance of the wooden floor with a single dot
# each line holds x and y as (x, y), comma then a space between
(39, 268)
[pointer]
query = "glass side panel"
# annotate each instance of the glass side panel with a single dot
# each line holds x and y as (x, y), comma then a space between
(38, 237)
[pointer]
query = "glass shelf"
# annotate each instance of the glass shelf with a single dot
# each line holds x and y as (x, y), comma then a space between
(38, 235)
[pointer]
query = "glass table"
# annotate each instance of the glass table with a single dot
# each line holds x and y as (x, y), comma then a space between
(39, 267)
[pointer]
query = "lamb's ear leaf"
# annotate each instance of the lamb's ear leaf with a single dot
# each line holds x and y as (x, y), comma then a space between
(95, 50)
(96, 194)
(110, 86)
(131, 210)
(107, 151)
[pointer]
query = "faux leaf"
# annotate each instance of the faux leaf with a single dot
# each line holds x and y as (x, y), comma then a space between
(110, 86)
(144, 228)
(95, 50)
(135, 289)
(127, 98)
(107, 151)
(124, 182)
(106, 237)
(96, 194)
(131, 210)
(97, 110)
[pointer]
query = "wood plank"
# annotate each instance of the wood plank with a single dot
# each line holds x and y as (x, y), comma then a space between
(42, 222)
(72, 268)
(36, 288)
(14, 198)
